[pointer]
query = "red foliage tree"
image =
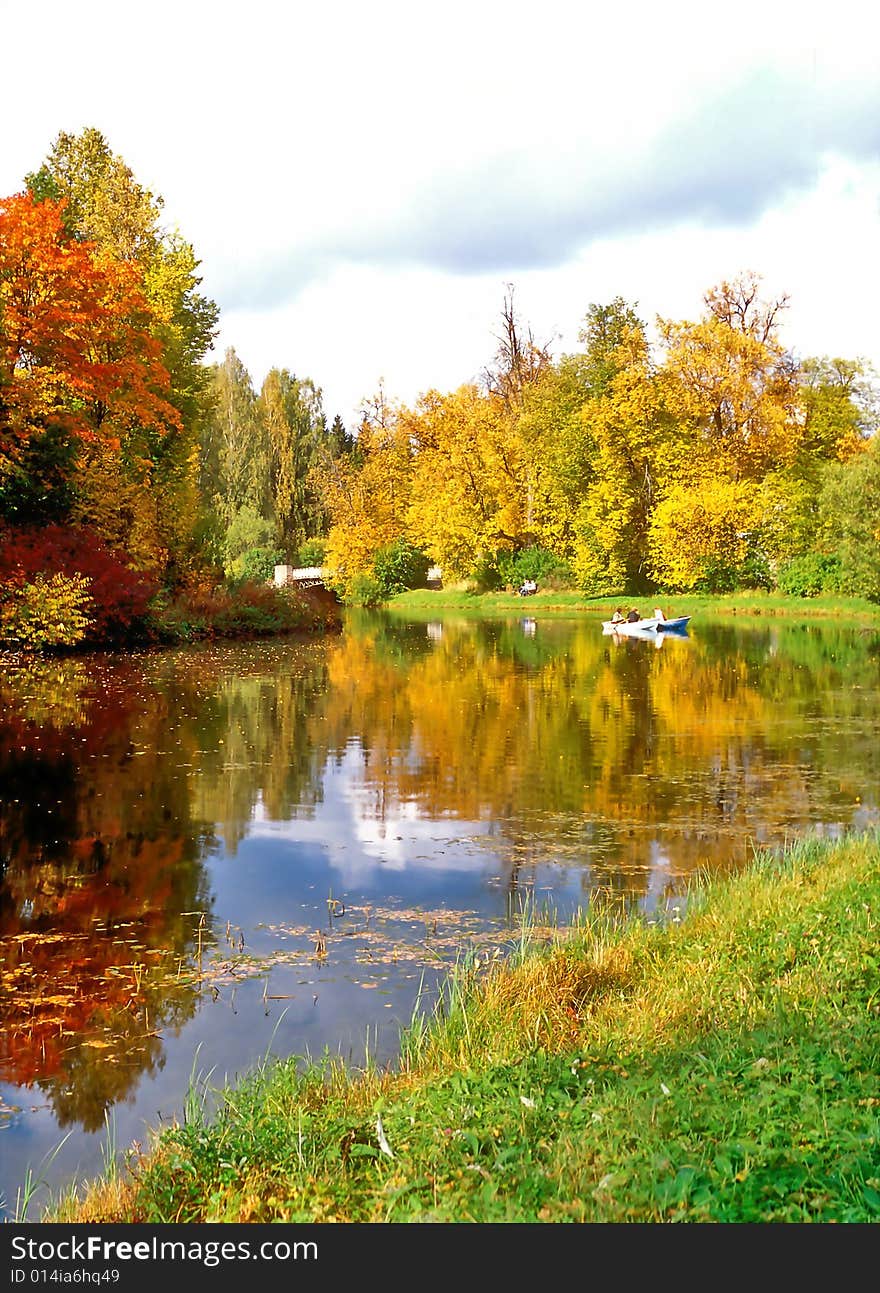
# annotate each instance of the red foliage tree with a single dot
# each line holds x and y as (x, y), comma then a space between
(75, 345)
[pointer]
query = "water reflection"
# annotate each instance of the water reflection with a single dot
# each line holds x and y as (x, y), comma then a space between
(175, 828)
(101, 880)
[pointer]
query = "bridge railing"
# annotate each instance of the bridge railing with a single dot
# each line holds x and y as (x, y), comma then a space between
(304, 576)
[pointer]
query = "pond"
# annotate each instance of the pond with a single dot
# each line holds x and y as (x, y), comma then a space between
(220, 853)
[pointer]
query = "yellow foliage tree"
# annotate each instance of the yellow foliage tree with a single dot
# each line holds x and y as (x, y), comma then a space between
(701, 528)
(470, 492)
(638, 453)
(560, 452)
(733, 385)
(367, 495)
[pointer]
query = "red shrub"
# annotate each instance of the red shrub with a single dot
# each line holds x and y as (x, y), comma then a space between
(120, 595)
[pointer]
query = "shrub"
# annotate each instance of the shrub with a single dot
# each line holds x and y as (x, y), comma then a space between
(52, 611)
(507, 569)
(720, 575)
(242, 610)
(311, 552)
(537, 563)
(398, 566)
(364, 590)
(811, 574)
(252, 609)
(119, 595)
(246, 531)
(256, 565)
(716, 576)
(485, 575)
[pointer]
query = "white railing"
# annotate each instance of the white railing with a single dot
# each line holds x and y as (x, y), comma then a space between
(298, 575)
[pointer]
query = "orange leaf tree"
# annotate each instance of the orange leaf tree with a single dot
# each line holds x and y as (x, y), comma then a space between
(77, 359)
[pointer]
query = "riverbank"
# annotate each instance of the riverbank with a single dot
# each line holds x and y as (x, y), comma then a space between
(856, 610)
(723, 1067)
(240, 613)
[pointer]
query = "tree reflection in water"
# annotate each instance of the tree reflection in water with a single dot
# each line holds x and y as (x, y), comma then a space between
(614, 769)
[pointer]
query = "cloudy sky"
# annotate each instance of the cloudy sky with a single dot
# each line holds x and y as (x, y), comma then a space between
(362, 180)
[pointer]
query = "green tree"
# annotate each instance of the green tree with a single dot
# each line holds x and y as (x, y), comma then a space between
(295, 429)
(840, 407)
(338, 440)
(606, 333)
(399, 566)
(849, 514)
(234, 464)
(37, 486)
(560, 450)
(249, 548)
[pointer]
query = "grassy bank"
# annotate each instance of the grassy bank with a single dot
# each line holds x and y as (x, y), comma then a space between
(423, 601)
(726, 1068)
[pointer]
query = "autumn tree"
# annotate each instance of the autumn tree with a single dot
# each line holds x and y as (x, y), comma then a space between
(470, 484)
(702, 536)
(79, 365)
(153, 479)
(366, 493)
(633, 445)
(841, 407)
(730, 513)
(106, 205)
(733, 383)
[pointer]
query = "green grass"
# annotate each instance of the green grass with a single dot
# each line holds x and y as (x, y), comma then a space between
(422, 600)
(724, 1068)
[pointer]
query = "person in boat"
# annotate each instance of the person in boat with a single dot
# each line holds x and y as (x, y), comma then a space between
(658, 614)
(618, 617)
(633, 616)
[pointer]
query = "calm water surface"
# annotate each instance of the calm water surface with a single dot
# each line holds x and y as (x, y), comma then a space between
(218, 853)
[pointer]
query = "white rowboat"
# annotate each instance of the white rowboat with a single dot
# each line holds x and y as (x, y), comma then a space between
(645, 627)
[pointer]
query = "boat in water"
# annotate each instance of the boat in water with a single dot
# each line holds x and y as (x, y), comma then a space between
(651, 627)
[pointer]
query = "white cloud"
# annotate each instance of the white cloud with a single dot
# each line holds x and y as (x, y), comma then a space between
(417, 329)
(359, 840)
(361, 181)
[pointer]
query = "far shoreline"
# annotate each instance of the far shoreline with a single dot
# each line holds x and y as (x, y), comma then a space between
(753, 605)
